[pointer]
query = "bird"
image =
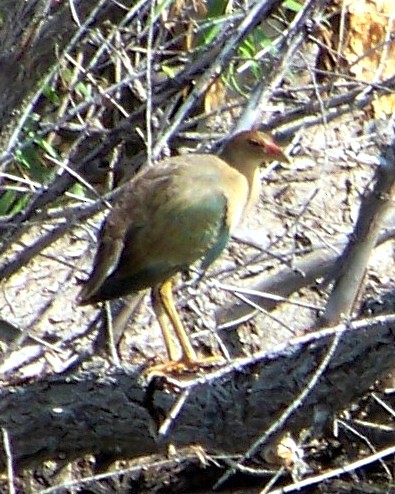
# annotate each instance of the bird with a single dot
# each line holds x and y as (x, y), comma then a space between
(170, 216)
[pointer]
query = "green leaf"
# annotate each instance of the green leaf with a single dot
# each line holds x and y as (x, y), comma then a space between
(11, 202)
(210, 33)
(216, 10)
(66, 74)
(30, 159)
(84, 89)
(79, 190)
(293, 5)
(47, 147)
(51, 95)
(169, 71)
(6, 200)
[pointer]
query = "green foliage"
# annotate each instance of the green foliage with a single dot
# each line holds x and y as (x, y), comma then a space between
(30, 165)
(252, 45)
(30, 157)
(78, 190)
(50, 93)
(292, 5)
(169, 71)
(215, 13)
(11, 202)
(248, 49)
(82, 89)
(30, 160)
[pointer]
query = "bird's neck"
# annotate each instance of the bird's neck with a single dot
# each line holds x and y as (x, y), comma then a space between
(248, 168)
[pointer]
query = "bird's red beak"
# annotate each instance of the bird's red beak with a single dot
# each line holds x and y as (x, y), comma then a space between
(277, 152)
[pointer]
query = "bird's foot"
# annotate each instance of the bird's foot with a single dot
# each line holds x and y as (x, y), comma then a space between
(184, 366)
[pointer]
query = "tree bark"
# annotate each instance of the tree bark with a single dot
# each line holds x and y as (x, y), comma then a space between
(119, 411)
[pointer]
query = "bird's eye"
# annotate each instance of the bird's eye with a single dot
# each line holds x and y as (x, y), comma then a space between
(256, 143)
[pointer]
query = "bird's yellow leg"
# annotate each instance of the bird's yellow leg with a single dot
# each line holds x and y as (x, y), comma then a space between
(166, 297)
(165, 310)
(161, 315)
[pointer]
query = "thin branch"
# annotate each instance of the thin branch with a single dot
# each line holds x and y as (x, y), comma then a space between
(350, 269)
(337, 472)
(279, 424)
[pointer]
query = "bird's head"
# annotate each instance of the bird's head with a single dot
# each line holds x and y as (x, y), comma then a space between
(252, 148)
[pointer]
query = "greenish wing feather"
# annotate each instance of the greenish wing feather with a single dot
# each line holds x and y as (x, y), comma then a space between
(214, 234)
(217, 248)
(195, 230)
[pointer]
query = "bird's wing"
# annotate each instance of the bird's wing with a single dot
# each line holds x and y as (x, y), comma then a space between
(183, 230)
(105, 262)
